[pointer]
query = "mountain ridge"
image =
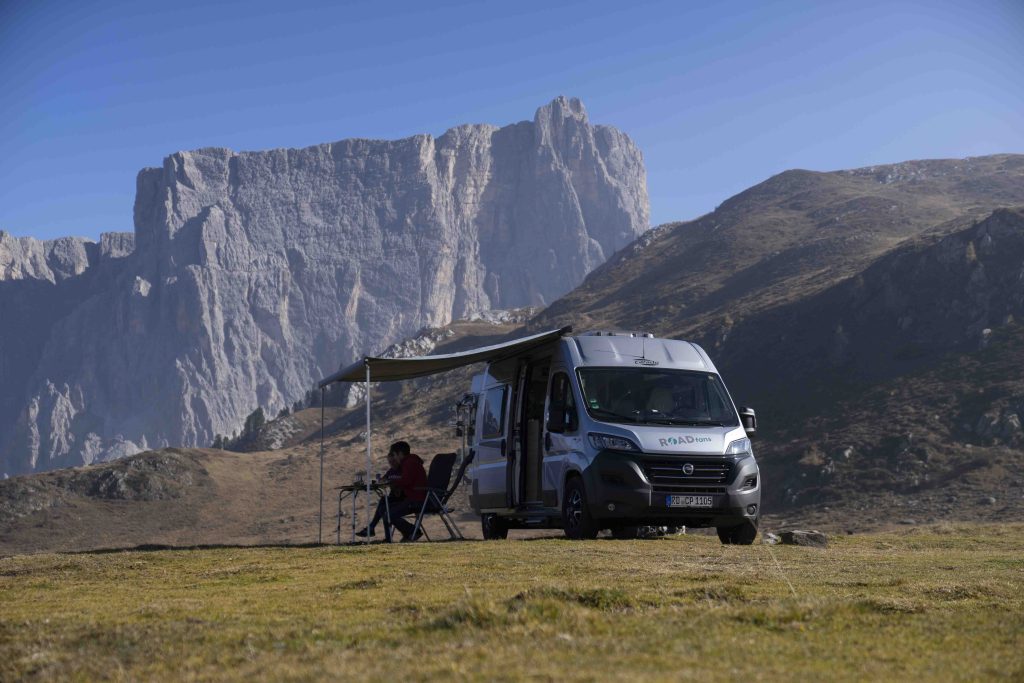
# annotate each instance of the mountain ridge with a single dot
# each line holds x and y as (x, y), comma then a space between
(255, 273)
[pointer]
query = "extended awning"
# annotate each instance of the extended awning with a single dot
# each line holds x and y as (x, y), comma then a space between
(392, 369)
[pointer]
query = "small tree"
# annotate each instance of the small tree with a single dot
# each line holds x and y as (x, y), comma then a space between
(254, 421)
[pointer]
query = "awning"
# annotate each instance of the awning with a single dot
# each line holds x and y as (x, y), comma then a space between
(391, 369)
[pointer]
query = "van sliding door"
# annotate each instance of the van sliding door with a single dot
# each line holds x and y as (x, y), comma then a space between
(492, 447)
(561, 434)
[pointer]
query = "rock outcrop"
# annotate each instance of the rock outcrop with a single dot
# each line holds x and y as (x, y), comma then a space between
(26, 258)
(252, 274)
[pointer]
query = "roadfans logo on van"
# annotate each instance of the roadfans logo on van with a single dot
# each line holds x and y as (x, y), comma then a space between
(683, 440)
(645, 361)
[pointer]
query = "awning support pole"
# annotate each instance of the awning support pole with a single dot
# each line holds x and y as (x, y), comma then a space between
(368, 453)
(320, 517)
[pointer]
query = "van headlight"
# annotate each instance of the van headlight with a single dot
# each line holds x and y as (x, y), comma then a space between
(611, 443)
(739, 447)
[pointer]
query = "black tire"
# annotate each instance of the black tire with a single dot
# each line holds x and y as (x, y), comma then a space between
(741, 534)
(494, 528)
(625, 533)
(576, 518)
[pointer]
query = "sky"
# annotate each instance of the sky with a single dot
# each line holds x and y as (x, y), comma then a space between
(718, 95)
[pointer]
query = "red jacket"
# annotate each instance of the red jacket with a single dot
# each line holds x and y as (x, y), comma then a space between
(412, 478)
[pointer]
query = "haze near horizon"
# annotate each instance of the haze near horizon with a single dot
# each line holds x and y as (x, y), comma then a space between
(717, 98)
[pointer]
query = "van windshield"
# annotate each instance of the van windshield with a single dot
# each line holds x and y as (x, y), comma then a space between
(651, 396)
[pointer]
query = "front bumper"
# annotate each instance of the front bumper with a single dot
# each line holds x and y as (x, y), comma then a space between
(621, 489)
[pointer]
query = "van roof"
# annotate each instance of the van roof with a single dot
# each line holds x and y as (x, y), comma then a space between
(640, 351)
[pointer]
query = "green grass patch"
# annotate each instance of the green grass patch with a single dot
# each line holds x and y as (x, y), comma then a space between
(944, 605)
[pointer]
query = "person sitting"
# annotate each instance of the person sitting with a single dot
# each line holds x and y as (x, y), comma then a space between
(411, 480)
(391, 477)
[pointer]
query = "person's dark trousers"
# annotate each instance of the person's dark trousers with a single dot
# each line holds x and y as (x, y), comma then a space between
(402, 507)
(379, 514)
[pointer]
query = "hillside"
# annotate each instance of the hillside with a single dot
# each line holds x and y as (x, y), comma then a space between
(787, 238)
(903, 382)
(858, 311)
(887, 379)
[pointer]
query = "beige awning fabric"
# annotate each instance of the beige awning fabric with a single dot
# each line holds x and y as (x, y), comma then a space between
(392, 369)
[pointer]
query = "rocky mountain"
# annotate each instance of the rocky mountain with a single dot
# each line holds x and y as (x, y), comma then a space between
(254, 273)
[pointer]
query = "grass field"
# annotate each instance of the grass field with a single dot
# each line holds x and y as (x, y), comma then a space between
(941, 603)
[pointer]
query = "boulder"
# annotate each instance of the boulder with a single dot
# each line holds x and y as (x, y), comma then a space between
(813, 539)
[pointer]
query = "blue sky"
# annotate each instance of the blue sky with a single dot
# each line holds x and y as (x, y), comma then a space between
(718, 95)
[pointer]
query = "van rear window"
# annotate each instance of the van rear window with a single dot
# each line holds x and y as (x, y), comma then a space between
(494, 412)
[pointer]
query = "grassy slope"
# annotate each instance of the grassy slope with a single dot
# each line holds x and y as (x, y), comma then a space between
(782, 240)
(934, 603)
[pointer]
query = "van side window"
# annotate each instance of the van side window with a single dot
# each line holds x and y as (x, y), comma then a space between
(494, 412)
(562, 405)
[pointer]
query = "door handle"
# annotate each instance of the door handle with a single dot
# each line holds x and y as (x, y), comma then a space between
(547, 441)
(503, 454)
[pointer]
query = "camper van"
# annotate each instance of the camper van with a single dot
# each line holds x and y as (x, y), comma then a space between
(611, 430)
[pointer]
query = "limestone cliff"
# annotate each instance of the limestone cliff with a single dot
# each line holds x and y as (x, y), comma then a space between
(255, 273)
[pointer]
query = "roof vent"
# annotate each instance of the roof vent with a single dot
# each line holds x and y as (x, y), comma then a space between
(611, 333)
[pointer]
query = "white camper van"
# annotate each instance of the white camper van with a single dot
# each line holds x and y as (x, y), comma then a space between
(611, 430)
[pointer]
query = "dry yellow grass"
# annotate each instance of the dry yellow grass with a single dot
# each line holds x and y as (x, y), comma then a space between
(943, 603)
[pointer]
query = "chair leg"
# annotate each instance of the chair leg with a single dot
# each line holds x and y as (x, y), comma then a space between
(419, 517)
(449, 523)
(453, 529)
(454, 532)
(456, 526)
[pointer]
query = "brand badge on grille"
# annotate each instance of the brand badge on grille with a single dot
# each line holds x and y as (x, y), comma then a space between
(688, 469)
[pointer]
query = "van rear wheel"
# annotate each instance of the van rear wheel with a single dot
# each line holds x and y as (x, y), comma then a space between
(741, 534)
(576, 518)
(494, 528)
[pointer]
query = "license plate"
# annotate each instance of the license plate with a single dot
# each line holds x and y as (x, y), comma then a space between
(689, 501)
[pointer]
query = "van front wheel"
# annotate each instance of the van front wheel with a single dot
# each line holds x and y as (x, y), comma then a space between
(494, 528)
(576, 518)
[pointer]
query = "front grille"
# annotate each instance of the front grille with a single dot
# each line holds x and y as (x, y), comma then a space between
(668, 476)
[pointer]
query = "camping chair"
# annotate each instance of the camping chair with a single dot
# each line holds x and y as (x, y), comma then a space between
(438, 493)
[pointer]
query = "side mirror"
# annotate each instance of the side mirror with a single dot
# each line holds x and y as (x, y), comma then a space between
(749, 419)
(556, 424)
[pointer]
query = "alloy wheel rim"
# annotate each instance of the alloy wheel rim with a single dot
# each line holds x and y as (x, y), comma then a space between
(575, 508)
